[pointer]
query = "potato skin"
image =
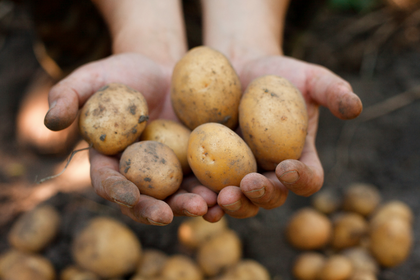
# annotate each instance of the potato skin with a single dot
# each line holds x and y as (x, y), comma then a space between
(274, 120)
(172, 134)
(205, 88)
(113, 118)
(153, 167)
(218, 156)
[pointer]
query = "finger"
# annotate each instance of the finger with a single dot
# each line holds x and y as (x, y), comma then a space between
(187, 204)
(214, 214)
(235, 203)
(192, 185)
(331, 91)
(262, 191)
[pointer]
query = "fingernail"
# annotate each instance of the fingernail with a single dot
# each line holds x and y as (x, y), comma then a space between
(189, 214)
(122, 203)
(51, 106)
(233, 207)
(155, 223)
(256, 193)
(289, 177)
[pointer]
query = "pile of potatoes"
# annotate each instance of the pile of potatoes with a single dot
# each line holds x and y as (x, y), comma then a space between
(206, 96)
(350, 237)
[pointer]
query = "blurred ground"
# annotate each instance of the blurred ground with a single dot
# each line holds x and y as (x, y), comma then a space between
(377, 51)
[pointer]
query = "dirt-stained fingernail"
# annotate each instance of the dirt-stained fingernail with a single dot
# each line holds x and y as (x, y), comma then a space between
(289, 177)
(155, 223)
(189, 214)
(256, 193)
(233, 206)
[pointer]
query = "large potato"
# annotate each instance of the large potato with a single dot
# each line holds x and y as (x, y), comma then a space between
(113, 118)
(273, 119)
(153, 167)
(205, 88)
(107, 247)
(172, 134)
(218, 157)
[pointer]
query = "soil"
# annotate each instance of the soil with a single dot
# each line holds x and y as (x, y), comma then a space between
(377, 51)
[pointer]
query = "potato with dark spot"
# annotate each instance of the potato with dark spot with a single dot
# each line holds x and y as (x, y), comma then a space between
(153, 167)
(205, 88)
(218, 156)
(273, 119)
(172, 134)
(113, 118)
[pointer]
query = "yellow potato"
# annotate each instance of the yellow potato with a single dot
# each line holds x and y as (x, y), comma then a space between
(172, 134)
(336, 267)
(153, 167)
(393, 208)
(218, 156)
(151, 263)
(113, 118)
(76, 273)
(273, 119)
(361, 198)
(205, 88)
(246, 269)
(180, 267)
(348, 230)
(307, 265)
(362, 260)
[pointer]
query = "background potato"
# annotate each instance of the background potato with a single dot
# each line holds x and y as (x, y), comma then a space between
(180, 267)
(361, 198)
(195, 231)
(172, 134)
(113, 118)
(348, 230)
(205, 88)
(307, 265)
(153, 167)
(246, 269)
(273, 119)
(218, 156)
(151, 263)
(336, 267)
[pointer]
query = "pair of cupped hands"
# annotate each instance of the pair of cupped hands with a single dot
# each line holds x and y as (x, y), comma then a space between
(305, 176)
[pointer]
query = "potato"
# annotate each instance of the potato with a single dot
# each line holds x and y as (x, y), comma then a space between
(348, 230)
(307, 265)
(246, 270)
(394, 208)
(308, 229)
(172, 134)
(326, 201)
(76, 273)
(336, 267)
(391, 241)
(153, 167)
(113, 118)
(180, 267)
(221, 251)
(361, 198)
(363, 275)
(195, 231)
(151, 263)
(34, 230)
(218, 156)
(16, 265)
(205, 88)
(107, 248)
(273, 119)
(362, 260)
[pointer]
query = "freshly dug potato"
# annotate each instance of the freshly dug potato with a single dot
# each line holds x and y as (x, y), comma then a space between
(361, 198)
(205, 88)
(363, 275)
(107, 247)
(307, 266)
(113, 118)
(326, 201)
(195, 231)
(348, 230)
(151, 263)
(16, 265)
(308, 229)
(34, 230)
(221, 251)
(180, 267)
(218, 156)
(394, 208)
(362, 260)
(336, 267)
(153, 167)
(76, 273)
(273, 119)
(391, 241)
(172, 134)
(246, 270)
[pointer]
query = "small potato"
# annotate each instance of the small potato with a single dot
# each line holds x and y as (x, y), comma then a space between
(113, 118)
(308, 229)
(205, 88)
(391, 241)
(172, 134)
(34, 230)
(107, 248)
(76, 273)
(307, 266)
(219, 252)
(361, 198)
(363, 275)
(336, 267)
(394, 208)
(362, 260)
(195, 231)
(180, 267)
(153, 167)
(218, 156)
(246, 270)
(151, 263)
(326, 201)
(16, 265)
(273, 119)
(348, 230)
